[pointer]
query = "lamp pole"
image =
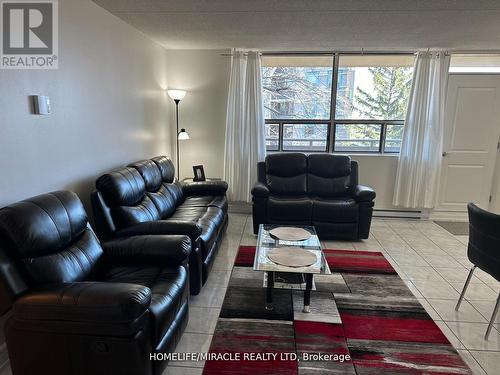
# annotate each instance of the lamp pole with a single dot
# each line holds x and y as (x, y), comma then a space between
(177, 96)
(177, 133)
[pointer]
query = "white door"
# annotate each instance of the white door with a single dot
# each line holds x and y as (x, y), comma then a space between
(472, 131)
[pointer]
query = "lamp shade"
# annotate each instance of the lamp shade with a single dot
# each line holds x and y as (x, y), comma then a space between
(176, 94)
(183, 135)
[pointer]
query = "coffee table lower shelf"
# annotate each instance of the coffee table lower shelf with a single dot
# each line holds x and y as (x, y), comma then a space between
(269, 284)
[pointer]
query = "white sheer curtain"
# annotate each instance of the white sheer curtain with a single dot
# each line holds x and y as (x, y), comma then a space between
(419, 164)
(245, 127)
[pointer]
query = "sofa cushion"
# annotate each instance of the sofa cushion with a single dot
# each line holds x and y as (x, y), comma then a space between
(164, 201)
(328, 175)
(150, 172)
(166, 168)
(78, 261)
(219, 201)
(286, 174)
(337, 210)
(289, 209)
(122, 187)
(49, 235)
(125, 216)
(167, 174)
(124, 191)
(175, 190)
(43, 224)
(168, 291)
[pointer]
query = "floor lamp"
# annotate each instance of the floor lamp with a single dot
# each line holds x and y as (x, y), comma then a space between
(177, 96)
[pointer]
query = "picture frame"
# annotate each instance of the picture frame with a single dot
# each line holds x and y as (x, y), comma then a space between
(199, 173)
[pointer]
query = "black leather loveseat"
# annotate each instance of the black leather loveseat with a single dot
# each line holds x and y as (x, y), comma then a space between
(316, 189)
(85, 308)
(145, 198)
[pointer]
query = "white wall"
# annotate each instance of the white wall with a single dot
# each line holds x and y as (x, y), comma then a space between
(204, 74)
(108, 101)
(379, 172)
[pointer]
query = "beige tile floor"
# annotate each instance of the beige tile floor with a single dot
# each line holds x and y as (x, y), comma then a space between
(431, 261)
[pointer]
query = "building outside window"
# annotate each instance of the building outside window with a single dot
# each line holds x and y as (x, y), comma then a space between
(369, 95)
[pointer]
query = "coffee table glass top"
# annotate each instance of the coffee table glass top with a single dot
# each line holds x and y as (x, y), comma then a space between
(266, 243)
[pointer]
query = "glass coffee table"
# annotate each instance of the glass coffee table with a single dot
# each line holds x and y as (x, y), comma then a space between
(280, 276)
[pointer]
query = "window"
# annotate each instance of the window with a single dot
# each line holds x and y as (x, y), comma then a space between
(485, 63)
(357, 137)
(311, 137)
(375, 88)
(370, 97)
(297, 87)
(272, 137)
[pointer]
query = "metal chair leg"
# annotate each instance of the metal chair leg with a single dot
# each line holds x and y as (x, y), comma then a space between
(493, 317)
(465, 288)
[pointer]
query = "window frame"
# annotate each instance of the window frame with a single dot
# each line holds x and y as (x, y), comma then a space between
(333, 121)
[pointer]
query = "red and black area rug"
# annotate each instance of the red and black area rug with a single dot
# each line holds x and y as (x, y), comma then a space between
(363, 320)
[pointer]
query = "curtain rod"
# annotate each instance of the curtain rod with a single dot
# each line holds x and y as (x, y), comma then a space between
(363, 52)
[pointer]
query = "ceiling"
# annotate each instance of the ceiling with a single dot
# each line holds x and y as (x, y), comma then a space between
(287, 25)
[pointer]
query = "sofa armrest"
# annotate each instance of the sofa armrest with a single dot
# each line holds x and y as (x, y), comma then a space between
(149, 249)
(260, 190)
(96, 302)
(187, 228)
(363, 193)
(214, 187)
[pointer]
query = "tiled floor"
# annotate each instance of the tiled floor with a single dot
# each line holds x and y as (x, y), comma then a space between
(430, 260)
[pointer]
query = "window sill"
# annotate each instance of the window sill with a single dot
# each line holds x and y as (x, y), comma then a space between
(377, 154)
(357, 154)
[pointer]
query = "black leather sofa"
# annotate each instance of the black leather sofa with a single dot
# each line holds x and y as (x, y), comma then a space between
(316, 189)
(85, 308)
(145, 198)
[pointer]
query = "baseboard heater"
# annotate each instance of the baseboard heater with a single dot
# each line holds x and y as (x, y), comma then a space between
(246, 208)
(401, 214)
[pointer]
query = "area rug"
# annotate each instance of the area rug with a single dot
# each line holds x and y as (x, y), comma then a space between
(363, 320)
(458, 228)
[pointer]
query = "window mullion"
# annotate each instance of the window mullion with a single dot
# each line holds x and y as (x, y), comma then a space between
(383, 132)
(333, 103)
(280, 143)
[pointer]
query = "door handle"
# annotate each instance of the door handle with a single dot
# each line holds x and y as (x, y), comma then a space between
(444, 154)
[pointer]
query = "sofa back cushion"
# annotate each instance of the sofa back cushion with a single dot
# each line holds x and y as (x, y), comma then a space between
(124, 191)
(155, 190)
(286, 173)
(175, 190)
(167, 171)
(328, 175)
(166, 168)
(48, 236)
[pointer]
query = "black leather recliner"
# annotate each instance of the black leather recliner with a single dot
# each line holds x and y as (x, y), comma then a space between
(483, 251)
(144, 198)
(317, 189)
(82, 307)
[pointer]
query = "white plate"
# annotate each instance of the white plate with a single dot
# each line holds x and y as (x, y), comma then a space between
(292, 257)
(290, 233)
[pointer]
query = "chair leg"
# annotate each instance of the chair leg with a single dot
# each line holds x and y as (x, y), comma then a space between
(493, 317)
(465, 288)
